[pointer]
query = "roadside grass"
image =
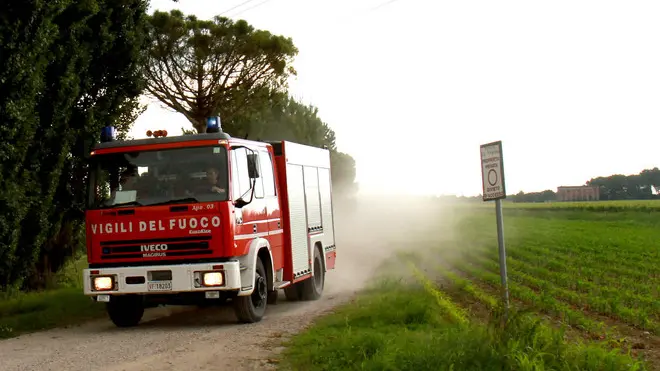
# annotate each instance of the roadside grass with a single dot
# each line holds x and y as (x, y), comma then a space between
(403, 326)
(61, 305)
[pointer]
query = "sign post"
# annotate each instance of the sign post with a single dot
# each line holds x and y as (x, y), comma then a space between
(492, 178)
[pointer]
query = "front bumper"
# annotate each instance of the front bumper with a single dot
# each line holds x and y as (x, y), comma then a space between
(162, 279)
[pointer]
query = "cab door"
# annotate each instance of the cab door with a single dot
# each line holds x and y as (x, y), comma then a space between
(251, 220)
(274, 221)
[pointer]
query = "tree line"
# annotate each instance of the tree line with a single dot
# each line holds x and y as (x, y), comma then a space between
(68, 68)
(642, 186)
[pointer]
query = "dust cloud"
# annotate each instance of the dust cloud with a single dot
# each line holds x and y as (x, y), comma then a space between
(371, 231)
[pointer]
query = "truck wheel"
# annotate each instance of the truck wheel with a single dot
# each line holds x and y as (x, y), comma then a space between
(312, 288)
(250, 309)
(125, 311)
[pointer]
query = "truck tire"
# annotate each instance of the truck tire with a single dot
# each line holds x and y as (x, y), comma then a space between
(312, 288)
(125, 311)
(251, 308)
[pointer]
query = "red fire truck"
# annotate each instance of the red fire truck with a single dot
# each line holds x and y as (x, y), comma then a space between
(203, 218)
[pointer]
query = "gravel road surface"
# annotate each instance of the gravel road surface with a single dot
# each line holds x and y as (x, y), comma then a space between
(169, 338)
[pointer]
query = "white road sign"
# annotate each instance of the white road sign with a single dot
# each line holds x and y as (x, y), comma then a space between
(492, 171)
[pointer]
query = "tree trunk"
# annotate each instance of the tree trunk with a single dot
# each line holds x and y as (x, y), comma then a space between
(199, 124)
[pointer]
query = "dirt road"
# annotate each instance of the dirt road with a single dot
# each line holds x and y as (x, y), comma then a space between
(175, 338)
(186, 339)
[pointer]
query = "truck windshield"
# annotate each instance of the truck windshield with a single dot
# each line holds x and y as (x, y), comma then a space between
(194, 174)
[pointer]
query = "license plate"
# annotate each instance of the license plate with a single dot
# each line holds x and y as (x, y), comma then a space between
(160, 286)
(103, 298)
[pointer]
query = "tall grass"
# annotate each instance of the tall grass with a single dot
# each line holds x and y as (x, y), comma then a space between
(400, 326)
(61, 305)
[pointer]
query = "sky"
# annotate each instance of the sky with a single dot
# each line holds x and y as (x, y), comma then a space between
(413, 87)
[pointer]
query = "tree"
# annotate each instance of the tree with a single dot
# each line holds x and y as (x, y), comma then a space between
(203, 68)
(343, 173)
(651, 177)
(640, 186)
(220, 67)
(283, 118)
(69, 68)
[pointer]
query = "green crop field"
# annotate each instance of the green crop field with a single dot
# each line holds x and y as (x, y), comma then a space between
(589, 277)
(624, 205)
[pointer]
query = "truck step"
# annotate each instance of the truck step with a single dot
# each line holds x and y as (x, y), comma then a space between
(281, 285)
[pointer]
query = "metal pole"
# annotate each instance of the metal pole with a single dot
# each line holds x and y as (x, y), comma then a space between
(500, 242)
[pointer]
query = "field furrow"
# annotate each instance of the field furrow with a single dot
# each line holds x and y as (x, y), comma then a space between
(615, 298)
(540, 301)
(634, 316)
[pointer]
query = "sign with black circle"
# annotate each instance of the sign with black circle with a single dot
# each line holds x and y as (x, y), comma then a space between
(492, 171)
(492, 177)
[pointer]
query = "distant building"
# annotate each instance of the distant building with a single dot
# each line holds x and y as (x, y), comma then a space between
(578, 193)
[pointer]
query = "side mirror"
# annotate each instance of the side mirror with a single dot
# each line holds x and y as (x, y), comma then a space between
(253, 165)
(240, 203)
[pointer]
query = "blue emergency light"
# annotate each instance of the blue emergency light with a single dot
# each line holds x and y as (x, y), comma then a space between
(108, 134)
(213, 124)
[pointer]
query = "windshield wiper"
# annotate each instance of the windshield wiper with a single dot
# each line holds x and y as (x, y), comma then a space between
(177, 201)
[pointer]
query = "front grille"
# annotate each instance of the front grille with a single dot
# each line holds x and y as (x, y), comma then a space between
(151, 248)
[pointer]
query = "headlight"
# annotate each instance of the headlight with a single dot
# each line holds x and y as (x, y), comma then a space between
(103, 283)
(212, 279)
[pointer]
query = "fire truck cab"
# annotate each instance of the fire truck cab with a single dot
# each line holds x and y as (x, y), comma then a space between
(202, 218)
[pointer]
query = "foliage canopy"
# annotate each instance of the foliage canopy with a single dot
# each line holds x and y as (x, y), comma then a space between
(67, 68)
(203, 68)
